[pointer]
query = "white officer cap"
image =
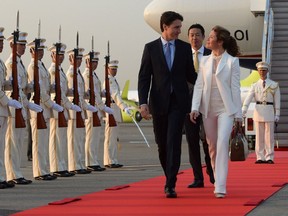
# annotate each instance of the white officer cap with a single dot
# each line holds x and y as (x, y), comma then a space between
(113, 64)
(61, 51)
(262, 65)
(95, 56)
(1, 33)
(41, 45)
(21, 39)
(80, 52)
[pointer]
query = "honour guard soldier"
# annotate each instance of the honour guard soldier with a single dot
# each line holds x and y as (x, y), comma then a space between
(58, 151)
(4, 112)
(15, 136)
(266, 93)
(111, 133)
(76, 136)
(40, 137)
(93, 133)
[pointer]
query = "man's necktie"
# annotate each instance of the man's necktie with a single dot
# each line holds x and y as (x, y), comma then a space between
(168, 54)
(196, 61)
(264, 84)
(22, 64)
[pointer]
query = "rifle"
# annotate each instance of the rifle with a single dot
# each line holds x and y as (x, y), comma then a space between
(19, 119)
(62, 122)
(79, 119)
(111, 119)
(41, 124)
(95, 118)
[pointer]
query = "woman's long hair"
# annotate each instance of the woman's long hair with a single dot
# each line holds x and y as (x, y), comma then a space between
(229, 42)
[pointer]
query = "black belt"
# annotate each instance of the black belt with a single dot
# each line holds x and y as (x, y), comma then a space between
(264, 103)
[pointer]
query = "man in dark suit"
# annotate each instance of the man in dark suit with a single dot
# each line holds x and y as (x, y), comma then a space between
(166, 67)
(196, 36)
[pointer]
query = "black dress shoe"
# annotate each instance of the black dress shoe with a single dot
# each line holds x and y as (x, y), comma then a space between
(270, 162)
(259, 162)
(46, 177)
(5, 184)
(211, 176)
(81, 171)
(64, 173)
(95, 168)
(170, 192)
(113, 165)
(29, 158)
(21, 181)
(196, 184)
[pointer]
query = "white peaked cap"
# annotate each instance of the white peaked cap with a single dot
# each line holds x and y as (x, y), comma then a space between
(62, 48)
(41, 46)
(113, 63)
(80, 52)
(22, 38)
(262, 65)
(95, 56)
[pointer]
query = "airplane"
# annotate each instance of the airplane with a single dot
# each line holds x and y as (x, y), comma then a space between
(241, 18)
(234, 15)
(132, 103)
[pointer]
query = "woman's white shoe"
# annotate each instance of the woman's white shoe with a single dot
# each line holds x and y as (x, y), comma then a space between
(220, 195)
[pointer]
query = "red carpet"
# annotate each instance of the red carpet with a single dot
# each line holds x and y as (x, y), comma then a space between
(248, 185)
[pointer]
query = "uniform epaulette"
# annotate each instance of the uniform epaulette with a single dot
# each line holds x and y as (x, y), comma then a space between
(274, 85)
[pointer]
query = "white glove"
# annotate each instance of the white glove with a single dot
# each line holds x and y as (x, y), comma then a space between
(244, 113)
(108, 110)
(34, 107)
(128, 111)
(276, 118)
(57, 107)
(75, 108)
(14, 103)
(92, 108)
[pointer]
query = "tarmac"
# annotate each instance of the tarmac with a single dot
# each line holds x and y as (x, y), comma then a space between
(140, 163)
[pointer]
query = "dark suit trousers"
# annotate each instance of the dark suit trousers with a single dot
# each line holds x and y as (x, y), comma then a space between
(168, 136)
(193, 133)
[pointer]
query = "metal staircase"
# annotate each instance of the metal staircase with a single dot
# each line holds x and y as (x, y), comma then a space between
(279, 64)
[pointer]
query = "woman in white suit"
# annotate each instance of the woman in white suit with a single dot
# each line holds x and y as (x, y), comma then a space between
(217, 97)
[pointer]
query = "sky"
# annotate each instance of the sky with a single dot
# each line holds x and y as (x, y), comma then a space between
(121, 22)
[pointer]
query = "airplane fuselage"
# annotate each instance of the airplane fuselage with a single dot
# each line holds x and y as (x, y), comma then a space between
(234, 15)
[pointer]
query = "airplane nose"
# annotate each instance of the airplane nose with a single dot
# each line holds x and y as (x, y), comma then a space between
(152, 14)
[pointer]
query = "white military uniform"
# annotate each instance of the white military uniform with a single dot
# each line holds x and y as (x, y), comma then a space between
(4, 112)
(76, 136)
(58, 151)
(111, 133)
(267, 107)
(93, 133)
(40, 137)
(15, 136)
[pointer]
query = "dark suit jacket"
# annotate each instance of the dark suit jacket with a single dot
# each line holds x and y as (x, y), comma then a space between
(155, 76)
